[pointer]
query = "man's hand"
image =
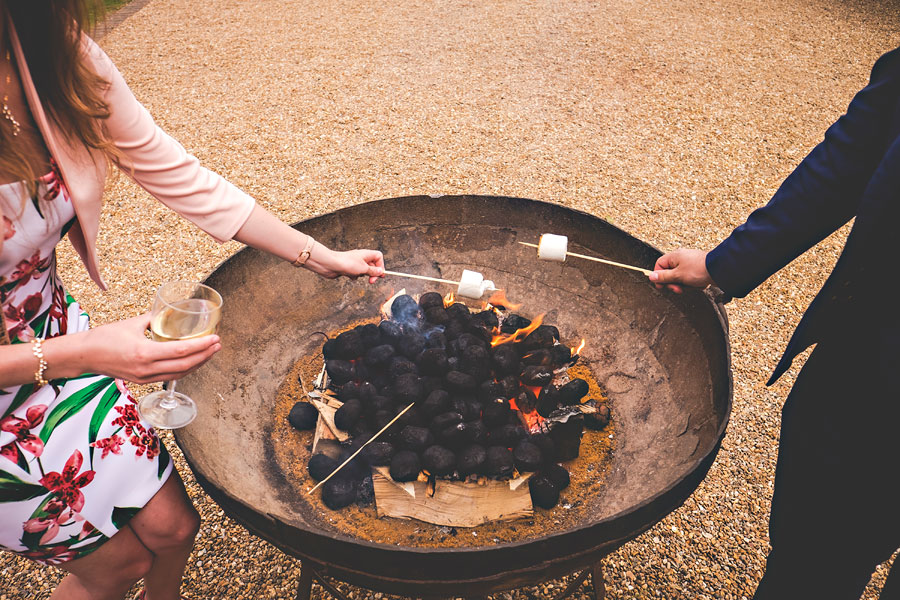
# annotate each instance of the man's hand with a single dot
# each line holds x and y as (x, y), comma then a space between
(679, 268)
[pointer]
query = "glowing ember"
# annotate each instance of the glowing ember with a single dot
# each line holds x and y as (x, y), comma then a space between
(519, 334)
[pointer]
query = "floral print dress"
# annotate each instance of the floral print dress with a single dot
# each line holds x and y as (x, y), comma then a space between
(76, 460)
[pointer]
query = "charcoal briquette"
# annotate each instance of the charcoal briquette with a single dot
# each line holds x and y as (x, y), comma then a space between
(598, 420)
(528, 456)
(408, 388)
(445, 420)
(542, 337)
(458, 309)
(367, 391)
(430, 384)
(458, 404)
(347, 415)
(379, 403)
(400, 365)
(545, 443)
(477, 432)
(488, 318)
(538, 357)
(567, 438)
(404, 309)
(432, 362)
(416, 438)
(370, 334)
(430, 299)
(405, 466)
(471, 459)
(510, 385)
(435, 338)
(329, 349)
(378, 453)
(574, 391)
(348, 391)
(543, 493)
(320, 466)
(490, 390)
(508, 435)
(548, 401)
(349, 345)
(339, 492)
(473, 409)
(454, 328)
(437, 402)
(526, 401)
(475, 361)
(340, 371)
(390, 332)
(499, 462)
(495, 413)
(458, 381)
(380, 356)
(453, 363)
(513, 322)
(438, 460)
(303, 416)
(411, 345)
(536, 375)
(437, 315)
(558, 475)
(560, 355)
(454, 436)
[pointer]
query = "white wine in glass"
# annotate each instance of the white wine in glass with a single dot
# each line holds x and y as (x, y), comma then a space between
(181, 310)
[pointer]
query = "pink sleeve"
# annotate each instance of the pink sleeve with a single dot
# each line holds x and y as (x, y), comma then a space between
(162, 166)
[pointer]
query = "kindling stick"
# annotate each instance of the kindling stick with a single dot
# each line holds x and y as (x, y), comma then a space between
(599, 260)
(352, 456)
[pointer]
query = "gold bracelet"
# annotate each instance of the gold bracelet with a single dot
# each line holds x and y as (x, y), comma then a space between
(304, 254)
(38, 352)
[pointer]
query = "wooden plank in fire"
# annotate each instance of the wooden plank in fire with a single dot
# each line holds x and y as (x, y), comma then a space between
(325, 427)
(454, 503)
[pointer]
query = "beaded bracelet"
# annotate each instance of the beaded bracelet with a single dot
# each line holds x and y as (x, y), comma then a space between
(304, 254)
(38, 352)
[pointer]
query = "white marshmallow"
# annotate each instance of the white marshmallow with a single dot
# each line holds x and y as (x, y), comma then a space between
(471, 284)
(553, 247)
(487, 286)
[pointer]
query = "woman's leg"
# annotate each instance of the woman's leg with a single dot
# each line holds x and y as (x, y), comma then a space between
(108, 572)
(167, 526)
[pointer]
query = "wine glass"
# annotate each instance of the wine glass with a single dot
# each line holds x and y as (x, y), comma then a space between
(181, 310)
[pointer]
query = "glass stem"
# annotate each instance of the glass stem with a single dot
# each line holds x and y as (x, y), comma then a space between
(168, 402)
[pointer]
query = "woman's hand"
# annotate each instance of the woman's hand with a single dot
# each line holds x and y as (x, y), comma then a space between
(681, 267)
(122, 350)
(352, 263)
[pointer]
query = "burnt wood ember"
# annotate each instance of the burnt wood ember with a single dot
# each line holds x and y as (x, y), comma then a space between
(525, 400)
(303, 416)
(566, 437)
(573, 392)
(405, 466)
(496, 413)
(431, 300)
(458, 381)
(320, 466)
(527, 456)
(499, 462)
(505, 360)
(416, 438)
(558, 475)
(348, 415)
(598, 420)
(543, 493)
(436, 403)
(439, 461)
(380, 356)
(471, 460)
(339, 492)
(349, 345)
(340, 371)
(432, 361)
(512, 323)
(378, 453)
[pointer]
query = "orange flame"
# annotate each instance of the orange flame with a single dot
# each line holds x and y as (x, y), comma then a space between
(519, 335)
(449, 299)
(579, 348)
(500, 300)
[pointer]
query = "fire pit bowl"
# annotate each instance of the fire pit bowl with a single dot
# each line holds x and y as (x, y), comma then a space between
(663, 358)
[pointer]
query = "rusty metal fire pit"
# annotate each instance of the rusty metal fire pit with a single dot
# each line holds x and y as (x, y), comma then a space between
(664, 360)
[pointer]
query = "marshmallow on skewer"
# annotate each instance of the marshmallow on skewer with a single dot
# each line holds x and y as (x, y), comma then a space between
(472, 284)
(553, 247)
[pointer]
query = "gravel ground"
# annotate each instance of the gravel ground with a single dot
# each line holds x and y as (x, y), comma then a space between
(671, 120)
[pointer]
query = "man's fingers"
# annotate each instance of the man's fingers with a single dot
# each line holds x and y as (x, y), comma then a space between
(663, 276)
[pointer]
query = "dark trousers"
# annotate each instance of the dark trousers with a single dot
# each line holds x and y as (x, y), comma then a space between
(836, 507)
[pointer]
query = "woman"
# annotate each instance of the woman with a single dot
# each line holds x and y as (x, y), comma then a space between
(84, 483)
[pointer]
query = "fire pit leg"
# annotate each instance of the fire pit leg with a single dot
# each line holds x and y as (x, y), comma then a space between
(304, 588)
(599, 584)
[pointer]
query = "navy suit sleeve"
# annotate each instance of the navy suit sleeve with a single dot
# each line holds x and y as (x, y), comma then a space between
(821, 194)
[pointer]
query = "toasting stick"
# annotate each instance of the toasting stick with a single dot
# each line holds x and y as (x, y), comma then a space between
(554, 247)
(471, 284)
(352, 456)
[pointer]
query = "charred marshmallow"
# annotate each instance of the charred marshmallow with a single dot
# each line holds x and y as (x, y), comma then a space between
(553, 247)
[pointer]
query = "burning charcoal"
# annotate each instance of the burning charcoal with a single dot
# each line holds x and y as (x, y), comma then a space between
(498, 462)
(378, 453)
(380, 356)
(349, 345)
(548, 401)
(405, 466)
(467, 340)
(367, 391)
(458, 309)
(370, 335)
(567, 438)
(560, 355)
(320, 466)
(390, 332)
(411, 345)
(460, 382)
(554, 331)
(348, 391)
(454, 436)
(455, 328)
(475, 361)
(510, 386)
(598, 420)
(416, 438)
(508, 435)
(430, 299)
(542, 337)
(526, 401)
(505, 360)
(303, 416)
(435, 338)
(479, 330)
(410, 417)
(328, 349)
(543, 493)
(401, 365)
(558, 475)
(340, 371)
(408, 388)
(496, 413)
(432, 361)
(512, 323)
(477, 432)
(574, 391)
(404, 309)
(490, 390)
(347, 415)
(538, 357)
(536, 376)
(545, 443)
(437, 315)
(430, 384)
(361, 371)
(339, 492)
(528, 456)
(471, 460)
(365, 492)
(445, 420)
(436, 403)
(473, 409)
(458, 404)
(439, 461)
(488, 318)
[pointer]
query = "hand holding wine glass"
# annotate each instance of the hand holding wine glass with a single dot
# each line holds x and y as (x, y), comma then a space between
(181, 310)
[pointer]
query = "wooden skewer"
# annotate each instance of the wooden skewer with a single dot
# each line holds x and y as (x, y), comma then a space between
(600, 260)
(423, 277)
(352, 456)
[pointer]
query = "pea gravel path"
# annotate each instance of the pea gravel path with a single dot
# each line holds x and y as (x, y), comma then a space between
(670, 119)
